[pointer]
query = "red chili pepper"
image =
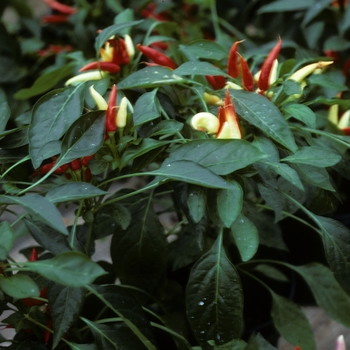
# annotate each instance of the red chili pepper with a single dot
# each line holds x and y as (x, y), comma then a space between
(55, 5)
(217, 82)
(120, 53)
(159, 45)
(105, 66)
(55, 19)
(111, 125)
(346, 130)
(33, 255)
(85, 160)
(47, 334)
(157, 57)
(346, 68)
(87, 175)
(232, 64)
(222, 119)
(75, 165)
(263, 83)
(247, 77)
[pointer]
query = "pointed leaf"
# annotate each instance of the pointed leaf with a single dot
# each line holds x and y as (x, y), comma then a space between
(198, 68)
(73, 191)
(214, 298)
(7, 239)
(65, 305)
(196, 201)
(229, 203)
(72, 269)
(313, 155)
(146, 108)
(84, 137)
(302, 113)
(263, 114)
(204, 49)
(220, 156)
(246, 237)
(19, 286)
(40, 208)
(52, 115)
(291, 323)
(149, 77)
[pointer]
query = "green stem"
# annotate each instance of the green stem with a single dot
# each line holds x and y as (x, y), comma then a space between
(215, 20)
(89, 238)
(14, 165)
(178, 133)
(73, 230)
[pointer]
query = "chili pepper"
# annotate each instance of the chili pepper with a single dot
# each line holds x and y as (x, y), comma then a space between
(111, 125)
(47, 333)
(55, 5)
(157, 57)
(105, 66)
(340, 343)
(120, 53)
(217, 82)
(87, 175)
(232, 64)
(93, 75)
(263, 83)
(231, 85)
(55, 19)
(302, 73)
(297, 348)
(247, 77)
(122, 113)
(99, 100)
(75, 165)
(222, 120)
(205, 121)
(85, 160)
(129, 45)
(212, 99)
(33, 255)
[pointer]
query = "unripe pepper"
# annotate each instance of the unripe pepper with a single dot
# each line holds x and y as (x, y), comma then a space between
(122, 113)
(302, 73)
(205, 121)
(93, 75)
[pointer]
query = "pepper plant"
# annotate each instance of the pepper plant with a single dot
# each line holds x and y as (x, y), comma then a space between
(241, 158)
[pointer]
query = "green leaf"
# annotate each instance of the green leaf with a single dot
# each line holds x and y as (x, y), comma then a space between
(75, 346)
(73, 191)
(166, 127)
(146, 108)
(190, 172)
(19, 286)
(146, 247)
(72, 269)
(10, 72)
(257, 342)
(327, 292)
(271, 272)
(286, 5)
(84, 137)
(48, 238)
(198, 68)
(149, 77)
(46, 81)
(260, 112)
(108, 32)
(220, 156)
(7, 239)
(65, 305)
(246, 237)
(313, 11)
(229, 203)
(273, 199)
(52, 115)
(204, 49)
(5, 113)
(196, 201)
(330, 80)
(214, 298)
(345, 22)
(291, 323)
(40, 208)
(315, 156)
(336, 43)
(302, 113)
(128, 309)
(313, 33)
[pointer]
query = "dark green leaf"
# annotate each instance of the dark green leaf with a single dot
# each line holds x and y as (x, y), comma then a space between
(271, 272)
(257, 342)
(46, 81)
(145, 244)
(126, 307)
(84, 137)
(246, 237)
(204, 49)
(108, 32)
(19, 286)
(302, 113)
(313, 33)
(48, 238)
(40, 208)
(7, 239)
(272, 199)
(65, 305)
(166, 127)
(332, 80)
(196, 201)
(75, 346)
(190, 172)
(146, 108)
(149, 77)
(263, 114)
(5, 113)
(313, 11)
(229, 203)
(313, 155)
(291, 87)
(345, 23)
(72, 269)
(336, 43)
(327, 292)
(73, 191)
(286, 5)
(10, 72)
(220, 156)
(15, 138)
(53, 114)
(198, 68)
(291, 323)
(214, 298)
